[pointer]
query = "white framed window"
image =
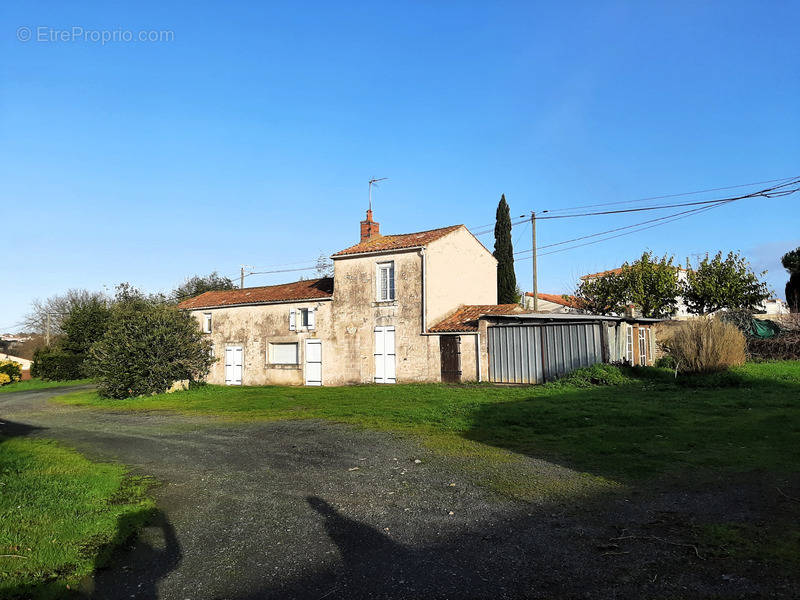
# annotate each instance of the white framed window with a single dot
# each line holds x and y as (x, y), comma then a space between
(211, 350)
(642, 346)
(206, 322)
(302, 319)
(385, 281)
(283, 354)
(629, 344)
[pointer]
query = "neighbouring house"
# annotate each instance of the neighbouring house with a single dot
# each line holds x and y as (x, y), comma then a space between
(24, 363)
(416, 307)
(552, 303)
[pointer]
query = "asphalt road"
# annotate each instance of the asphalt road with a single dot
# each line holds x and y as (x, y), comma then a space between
(318, 510)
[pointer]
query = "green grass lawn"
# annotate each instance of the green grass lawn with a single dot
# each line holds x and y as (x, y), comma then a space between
(60, 516)
(651, 425)
(39, 384)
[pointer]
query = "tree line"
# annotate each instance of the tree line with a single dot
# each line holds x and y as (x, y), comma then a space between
(654, 284)
(133, 343)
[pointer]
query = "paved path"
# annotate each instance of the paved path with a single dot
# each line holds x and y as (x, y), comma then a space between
(318, 510)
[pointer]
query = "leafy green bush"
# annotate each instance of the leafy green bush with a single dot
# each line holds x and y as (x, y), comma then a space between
(12, 369)
(600, 374)
(57, 365)
(665, 362)
(148, 347)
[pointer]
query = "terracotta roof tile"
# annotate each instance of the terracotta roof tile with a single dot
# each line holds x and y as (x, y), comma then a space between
(381, 243)
(466, 317)
(309, 289)
(562, 299)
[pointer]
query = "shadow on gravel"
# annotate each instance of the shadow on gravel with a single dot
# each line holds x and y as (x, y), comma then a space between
(9, 429)
(527, 556)
(133, 569)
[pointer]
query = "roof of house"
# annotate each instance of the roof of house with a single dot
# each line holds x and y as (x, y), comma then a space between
(382, 243)
(617, 271)
(562, 299)
(466, 317)
(308, 289)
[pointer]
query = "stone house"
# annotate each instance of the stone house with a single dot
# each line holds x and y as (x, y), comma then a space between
(373, 321)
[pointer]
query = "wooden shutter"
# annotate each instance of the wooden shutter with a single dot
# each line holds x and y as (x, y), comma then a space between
(292, 319)
(312, 318)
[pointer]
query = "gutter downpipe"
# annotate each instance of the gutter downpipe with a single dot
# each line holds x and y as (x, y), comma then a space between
(424, 291)
(478, 354)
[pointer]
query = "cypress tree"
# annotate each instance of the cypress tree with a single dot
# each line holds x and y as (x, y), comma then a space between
(504, 253)
(791, 262)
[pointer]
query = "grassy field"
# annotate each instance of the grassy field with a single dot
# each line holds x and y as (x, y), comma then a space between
(648, 425)
(60, 516)
(39, 384)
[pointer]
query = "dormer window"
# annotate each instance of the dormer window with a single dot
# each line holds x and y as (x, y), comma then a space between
(385, 281)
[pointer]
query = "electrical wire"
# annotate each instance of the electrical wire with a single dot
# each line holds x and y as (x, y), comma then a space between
(664, 222)
(591, 235)
(651, 198)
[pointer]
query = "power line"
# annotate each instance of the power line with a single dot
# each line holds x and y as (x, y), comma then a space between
(664, 222)
(591, 235)
(773, 192)
(481, 228)
(650, 198)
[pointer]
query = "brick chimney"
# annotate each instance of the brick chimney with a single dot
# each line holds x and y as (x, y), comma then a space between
(369, 228)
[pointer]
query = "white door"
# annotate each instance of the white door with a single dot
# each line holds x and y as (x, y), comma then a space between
(233, 365)
(384, 355)
(313, 362)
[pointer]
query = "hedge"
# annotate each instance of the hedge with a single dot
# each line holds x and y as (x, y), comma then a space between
(57, 365)
(782, 347)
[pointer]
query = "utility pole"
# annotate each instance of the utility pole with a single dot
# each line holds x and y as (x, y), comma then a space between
(535, 283)
(241, 278)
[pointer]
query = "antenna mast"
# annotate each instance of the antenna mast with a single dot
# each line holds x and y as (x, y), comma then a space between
(374, 182)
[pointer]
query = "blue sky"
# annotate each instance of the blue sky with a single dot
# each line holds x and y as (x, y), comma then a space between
(250, 136)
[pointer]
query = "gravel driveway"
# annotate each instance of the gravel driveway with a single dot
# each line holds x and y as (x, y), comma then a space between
(318, 510)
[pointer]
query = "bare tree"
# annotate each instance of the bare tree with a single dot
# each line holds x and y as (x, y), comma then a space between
(56, 308)
(324, 266)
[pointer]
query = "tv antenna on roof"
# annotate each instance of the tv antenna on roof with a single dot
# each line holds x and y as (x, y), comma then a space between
(374, 182)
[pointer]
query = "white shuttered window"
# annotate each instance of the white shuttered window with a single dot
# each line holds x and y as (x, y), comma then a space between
(385, 281)
(283, 354)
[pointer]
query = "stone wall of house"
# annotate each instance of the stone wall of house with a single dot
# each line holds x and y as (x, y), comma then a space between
(254, 328)
(357, 312)
(460, 270)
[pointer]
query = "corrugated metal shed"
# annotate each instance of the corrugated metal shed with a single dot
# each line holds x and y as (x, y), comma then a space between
(534, 353)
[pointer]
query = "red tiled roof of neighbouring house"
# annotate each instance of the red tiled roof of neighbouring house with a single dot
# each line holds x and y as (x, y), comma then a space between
(562, 299)
(466, 317)
(616, 271)
(381, 243)
(309, 289)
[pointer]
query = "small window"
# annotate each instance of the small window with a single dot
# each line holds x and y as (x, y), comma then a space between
(207, 323)
(303, 314)
(642, 346)
(385, 281)
(283, 354)
(629, 344)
